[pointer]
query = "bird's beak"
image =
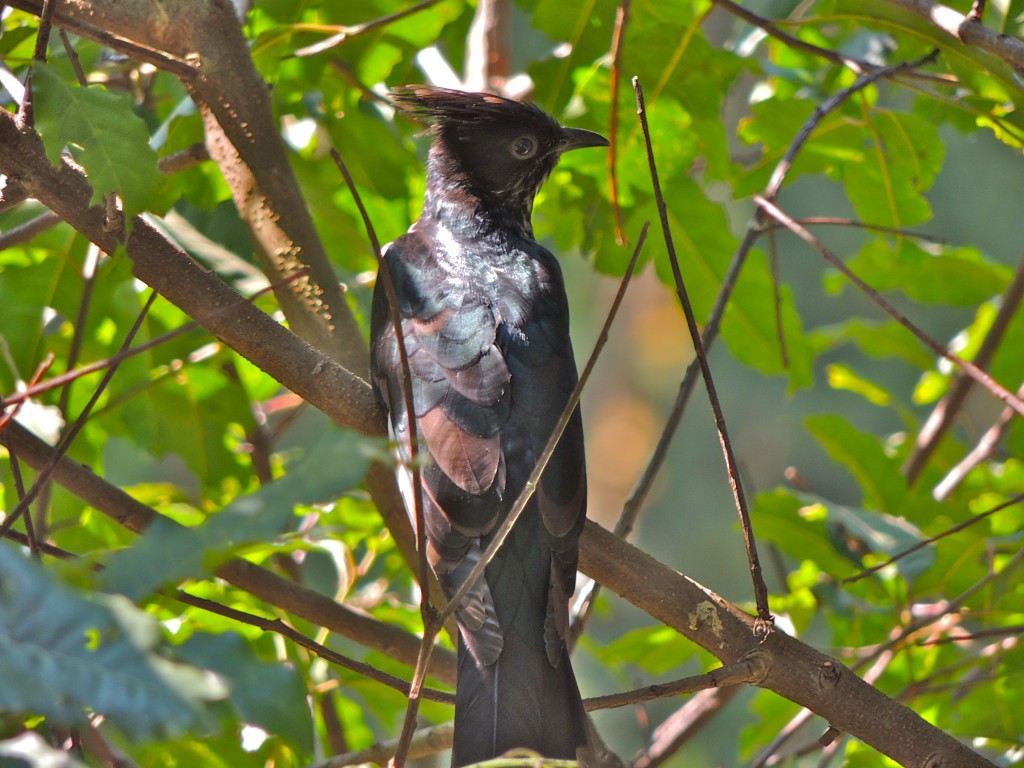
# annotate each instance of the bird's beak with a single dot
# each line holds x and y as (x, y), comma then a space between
(578, 138)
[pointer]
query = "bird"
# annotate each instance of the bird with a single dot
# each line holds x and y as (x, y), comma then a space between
(485, 325)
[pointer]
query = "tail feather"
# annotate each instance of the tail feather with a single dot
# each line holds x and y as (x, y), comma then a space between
(540, 706)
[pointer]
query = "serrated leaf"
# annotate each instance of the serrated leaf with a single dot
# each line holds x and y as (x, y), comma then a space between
(89, 119)
(63, 653)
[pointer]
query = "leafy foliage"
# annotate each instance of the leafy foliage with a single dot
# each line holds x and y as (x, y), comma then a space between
(914, 181)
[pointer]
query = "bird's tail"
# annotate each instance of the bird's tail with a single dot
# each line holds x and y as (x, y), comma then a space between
(540, 706)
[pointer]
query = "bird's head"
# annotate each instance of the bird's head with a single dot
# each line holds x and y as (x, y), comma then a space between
(495, 148)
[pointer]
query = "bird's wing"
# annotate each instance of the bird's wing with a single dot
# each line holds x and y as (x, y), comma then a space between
(460, 387)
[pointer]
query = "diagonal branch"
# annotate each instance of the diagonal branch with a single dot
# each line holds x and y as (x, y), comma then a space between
(970, 369)
(267, 586)
(243, 137)
(945, 411)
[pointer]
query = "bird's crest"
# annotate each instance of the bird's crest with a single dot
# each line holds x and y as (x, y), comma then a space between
(443, 107)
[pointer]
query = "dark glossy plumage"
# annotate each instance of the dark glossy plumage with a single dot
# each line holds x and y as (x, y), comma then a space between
(486, 328)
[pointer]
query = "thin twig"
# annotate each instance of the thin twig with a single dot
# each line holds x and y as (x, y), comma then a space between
(769, 28)
(757, 224)
(682, 725)
(76, 63)
(38, 388)
(735, 674)
(531, 484)
(185, 69)
(19, 488)
(931, 540)
(65, 444)
(986, 447)
(840, 221)
(346, 33)
(979, 376)
(431, 624)
(281, 628)
(618, 43)
(16, 400)
(26, 110)
(945, 411)
(780, 327)
(735, 484)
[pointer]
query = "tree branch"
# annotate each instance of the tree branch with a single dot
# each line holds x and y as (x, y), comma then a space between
(967, 31)
(243, 137)
(267, 586)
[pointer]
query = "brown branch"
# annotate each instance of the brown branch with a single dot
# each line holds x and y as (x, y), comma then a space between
(488, 47)
(769, 28)
(748, 670)
(967, 31)
(945, 411)
(339, 393)
(426, 741)
(243, 137)
(81, 24)
(263, 584)
(793, 670)
(618, 43)
(932, 539)
(683, 724)
(732, 468)
(986, 447)
(345, 33)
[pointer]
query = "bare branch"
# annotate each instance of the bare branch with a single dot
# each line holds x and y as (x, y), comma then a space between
(967, 31)
(346, 33)
(760, 590)
(983, 450)
(618, 43)
(932, 539)
(263, 584)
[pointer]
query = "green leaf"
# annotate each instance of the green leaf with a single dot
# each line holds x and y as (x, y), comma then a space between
(864, 455)
(901, 159)
(656, 650)
(269, 695)
(169, 553)
(63, 653)
(958, 276)
(798, 528)
(880, 340)
(842, 376)
(86, 119)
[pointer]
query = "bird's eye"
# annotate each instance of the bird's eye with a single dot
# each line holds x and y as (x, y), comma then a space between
(524, 147)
